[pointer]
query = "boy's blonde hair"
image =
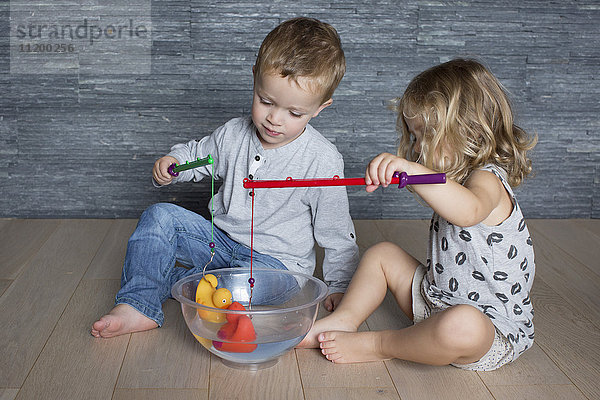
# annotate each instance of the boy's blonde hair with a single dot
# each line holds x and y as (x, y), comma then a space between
(467, 122)
(304, 48)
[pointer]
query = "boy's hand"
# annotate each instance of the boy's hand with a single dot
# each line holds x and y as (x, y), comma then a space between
(332, 301)
(381, 170)
(160, 171)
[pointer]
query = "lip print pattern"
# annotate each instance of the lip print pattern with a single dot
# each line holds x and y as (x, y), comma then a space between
(503, 298)
(453, 285)
(465, 235)
(444, 244)
(517, 309)
(439, 268)
(494, 238)
(516, 288)
(521, 225)
(485, 308)
(512, 252)
(473, 296)
(523, 264)
(460, 258)
(478, 275)
(500, 276)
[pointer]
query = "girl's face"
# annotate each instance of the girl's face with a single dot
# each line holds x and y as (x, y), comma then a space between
(415, 127)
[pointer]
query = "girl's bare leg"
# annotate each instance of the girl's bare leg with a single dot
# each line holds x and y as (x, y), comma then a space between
(383, 266)
(461, 334)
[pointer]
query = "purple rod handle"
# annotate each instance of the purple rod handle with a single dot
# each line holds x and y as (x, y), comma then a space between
(424, 179)
(171, 170)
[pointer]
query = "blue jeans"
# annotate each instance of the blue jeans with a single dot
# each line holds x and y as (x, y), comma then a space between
(167, 233)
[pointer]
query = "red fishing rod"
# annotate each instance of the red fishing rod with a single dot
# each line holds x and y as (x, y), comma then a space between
(402, 179)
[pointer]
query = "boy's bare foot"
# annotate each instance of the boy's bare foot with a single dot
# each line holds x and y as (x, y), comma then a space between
(121, 320)
(330, 322)
(351, 347)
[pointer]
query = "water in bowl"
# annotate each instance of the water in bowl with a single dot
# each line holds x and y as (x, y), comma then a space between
(265, 355)
(269, 328)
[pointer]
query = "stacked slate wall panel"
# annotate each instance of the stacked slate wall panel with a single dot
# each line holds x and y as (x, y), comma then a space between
(83, 143)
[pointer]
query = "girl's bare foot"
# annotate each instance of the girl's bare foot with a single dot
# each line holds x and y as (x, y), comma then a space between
(121, 320)
(351, 347)
(332, 321)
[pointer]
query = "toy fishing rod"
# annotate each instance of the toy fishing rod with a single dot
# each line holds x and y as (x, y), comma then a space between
(175, 169)
(401, 178)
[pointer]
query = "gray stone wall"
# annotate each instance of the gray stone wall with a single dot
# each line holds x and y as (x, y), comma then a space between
(80, 140)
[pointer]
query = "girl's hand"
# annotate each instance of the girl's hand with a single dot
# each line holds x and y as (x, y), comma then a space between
(160, 171)
(381, 169)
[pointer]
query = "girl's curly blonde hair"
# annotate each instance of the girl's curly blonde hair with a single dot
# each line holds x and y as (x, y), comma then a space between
(467, 122)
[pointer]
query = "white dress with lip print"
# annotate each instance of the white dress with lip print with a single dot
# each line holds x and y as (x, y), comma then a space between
(488, 267)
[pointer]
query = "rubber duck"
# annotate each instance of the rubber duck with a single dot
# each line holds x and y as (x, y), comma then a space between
(236, 331)
(207, 294)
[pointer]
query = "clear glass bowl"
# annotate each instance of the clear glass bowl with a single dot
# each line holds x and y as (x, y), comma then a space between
(281, 309)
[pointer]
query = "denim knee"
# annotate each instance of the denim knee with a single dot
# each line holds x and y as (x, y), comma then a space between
(159, 212)
(159, 217)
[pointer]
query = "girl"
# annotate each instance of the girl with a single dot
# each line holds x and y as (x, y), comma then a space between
(470, 301)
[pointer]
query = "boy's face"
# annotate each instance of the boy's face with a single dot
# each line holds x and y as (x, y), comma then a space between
(281, 109)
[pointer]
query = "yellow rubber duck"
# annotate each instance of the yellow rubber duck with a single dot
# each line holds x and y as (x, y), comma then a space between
(207, 294)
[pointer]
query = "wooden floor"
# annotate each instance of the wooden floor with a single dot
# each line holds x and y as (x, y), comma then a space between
(57, 276)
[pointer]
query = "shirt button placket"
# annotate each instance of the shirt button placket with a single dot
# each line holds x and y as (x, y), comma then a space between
(258, 161)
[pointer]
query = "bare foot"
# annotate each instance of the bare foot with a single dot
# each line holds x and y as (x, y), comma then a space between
(121, 320)
(333, 321)
(351, 347)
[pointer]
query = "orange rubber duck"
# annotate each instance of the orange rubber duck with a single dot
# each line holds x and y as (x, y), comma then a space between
(238, 329)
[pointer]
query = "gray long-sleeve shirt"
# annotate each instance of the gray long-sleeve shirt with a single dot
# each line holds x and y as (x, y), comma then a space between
(287, 221)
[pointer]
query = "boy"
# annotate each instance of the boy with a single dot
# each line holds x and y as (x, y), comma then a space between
(299, 65)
